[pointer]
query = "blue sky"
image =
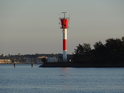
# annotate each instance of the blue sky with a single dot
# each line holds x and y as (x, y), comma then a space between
(32, 26)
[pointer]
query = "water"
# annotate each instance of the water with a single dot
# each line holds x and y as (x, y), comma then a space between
(25, 79)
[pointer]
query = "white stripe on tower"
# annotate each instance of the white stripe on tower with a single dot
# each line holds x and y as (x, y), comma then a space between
(65, 34)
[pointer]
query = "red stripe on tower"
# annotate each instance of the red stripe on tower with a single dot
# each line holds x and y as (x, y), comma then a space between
(65, 45)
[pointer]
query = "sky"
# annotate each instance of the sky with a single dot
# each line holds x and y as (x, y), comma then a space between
(32, 26)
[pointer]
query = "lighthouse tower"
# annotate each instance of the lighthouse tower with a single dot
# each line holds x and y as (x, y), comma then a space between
(64, 27)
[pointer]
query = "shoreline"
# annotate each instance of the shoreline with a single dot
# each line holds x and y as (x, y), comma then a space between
(78, 65)
(68, 64)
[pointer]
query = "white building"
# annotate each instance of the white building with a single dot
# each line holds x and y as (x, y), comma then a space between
(52, 59)
(5, 61)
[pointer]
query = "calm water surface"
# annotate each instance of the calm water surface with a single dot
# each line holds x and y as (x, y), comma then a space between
(24, 79)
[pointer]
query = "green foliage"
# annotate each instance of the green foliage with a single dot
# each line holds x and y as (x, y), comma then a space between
(99, 46)
(82, 49)
(123, 39)
(110, 53)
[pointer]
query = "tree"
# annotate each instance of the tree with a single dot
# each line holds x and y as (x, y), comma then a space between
(82, 49)
(114, 46)
(98, 45)
(99, 48)
(81, 53)
(123, 39)
(79, 50)
(86, 47)
(109, 54)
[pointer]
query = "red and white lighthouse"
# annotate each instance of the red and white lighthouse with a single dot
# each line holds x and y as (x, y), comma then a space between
(64, 27)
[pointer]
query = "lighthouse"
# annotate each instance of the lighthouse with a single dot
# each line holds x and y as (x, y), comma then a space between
(64, 26)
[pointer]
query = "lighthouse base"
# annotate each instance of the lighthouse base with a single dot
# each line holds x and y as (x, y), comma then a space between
(64, 56)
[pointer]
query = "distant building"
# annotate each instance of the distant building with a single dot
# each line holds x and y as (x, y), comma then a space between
(5, 61)
(49, 58)
(52, 59)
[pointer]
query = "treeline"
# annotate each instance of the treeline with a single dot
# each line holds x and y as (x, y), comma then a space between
(109, 54)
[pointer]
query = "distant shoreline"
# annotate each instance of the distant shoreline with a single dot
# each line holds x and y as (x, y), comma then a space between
(19, 63)
(67, 64)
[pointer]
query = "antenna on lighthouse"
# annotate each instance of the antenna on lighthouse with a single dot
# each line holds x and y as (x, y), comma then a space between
(64, 13)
